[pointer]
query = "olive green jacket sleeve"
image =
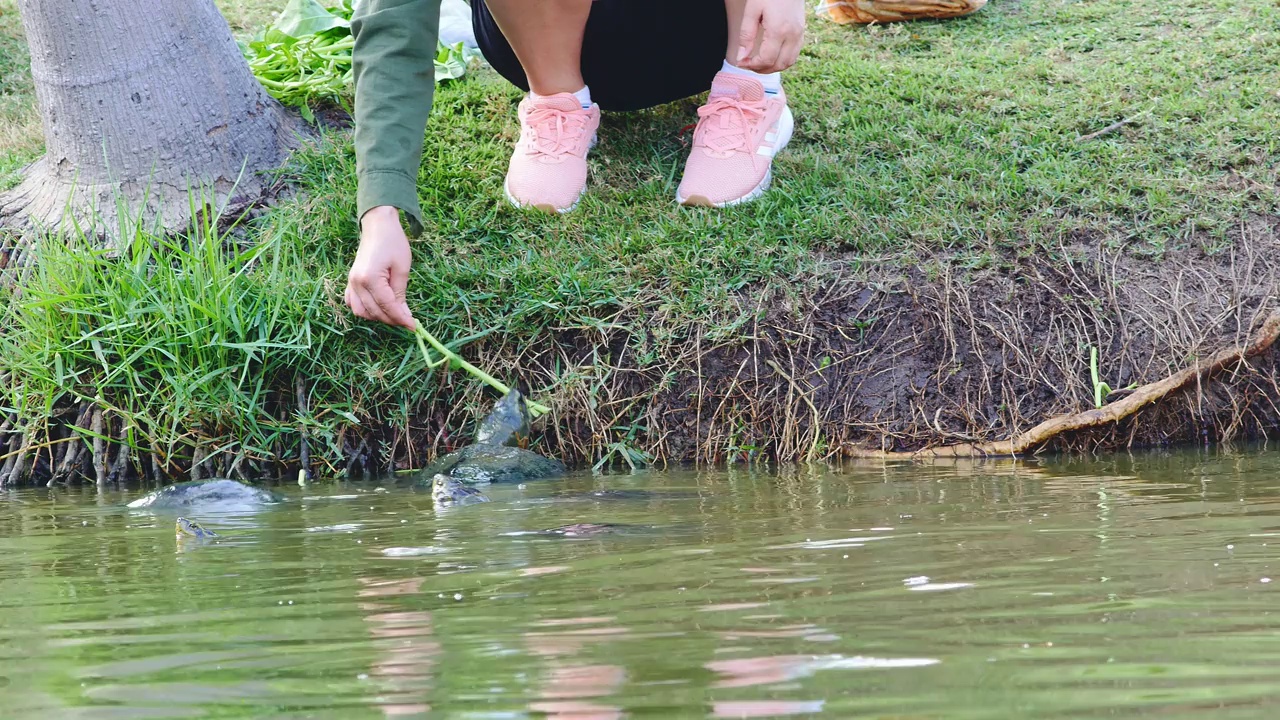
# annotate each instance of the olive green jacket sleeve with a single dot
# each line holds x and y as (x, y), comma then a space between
(394, 67)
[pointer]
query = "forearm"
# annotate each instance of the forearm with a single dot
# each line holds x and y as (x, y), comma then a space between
(394, 67)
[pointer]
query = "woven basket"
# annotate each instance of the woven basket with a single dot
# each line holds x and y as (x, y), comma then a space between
(886, 11)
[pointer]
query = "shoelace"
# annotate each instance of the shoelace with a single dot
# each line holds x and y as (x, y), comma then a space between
(556, 132)
(735, 117)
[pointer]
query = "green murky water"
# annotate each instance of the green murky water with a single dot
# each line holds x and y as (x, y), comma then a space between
(1130, 587)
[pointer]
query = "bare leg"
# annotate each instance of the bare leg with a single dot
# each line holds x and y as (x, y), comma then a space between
(546, 36)
(735, 9)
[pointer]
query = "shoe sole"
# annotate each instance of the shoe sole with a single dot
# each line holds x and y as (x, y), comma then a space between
(786, 128)
(548, 207)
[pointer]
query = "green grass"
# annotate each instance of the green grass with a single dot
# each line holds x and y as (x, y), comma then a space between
(932, 142)
(248, 16)
(179, 337)
(20, 139)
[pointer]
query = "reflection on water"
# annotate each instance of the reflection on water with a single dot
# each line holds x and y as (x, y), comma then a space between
(403, 670)
(1122, 587)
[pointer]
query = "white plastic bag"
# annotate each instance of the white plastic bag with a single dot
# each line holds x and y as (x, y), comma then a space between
(455, 24)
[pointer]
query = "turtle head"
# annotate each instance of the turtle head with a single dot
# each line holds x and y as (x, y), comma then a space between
(442, 483)
(189, 528)
(447, 491)
(508, 424)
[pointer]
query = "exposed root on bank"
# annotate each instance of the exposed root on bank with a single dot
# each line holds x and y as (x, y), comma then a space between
(1041, 434)
(304, 412)
(45, 205)
(99, 448)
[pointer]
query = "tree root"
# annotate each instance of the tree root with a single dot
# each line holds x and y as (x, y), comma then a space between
(71, 458)
(99, 448)
(44, 202)
(303, 415)
(1263, 339)
(20, 467)
(120, 468)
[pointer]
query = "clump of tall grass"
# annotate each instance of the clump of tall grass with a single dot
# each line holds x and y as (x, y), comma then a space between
(190, 354)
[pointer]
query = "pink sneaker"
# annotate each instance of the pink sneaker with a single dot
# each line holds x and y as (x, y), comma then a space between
(740, 129)
(549, 167)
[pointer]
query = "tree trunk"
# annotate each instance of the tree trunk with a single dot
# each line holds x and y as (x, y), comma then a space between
(144, 103)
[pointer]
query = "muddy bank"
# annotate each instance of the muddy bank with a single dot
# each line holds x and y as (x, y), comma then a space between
(868, 358)
(850, 359)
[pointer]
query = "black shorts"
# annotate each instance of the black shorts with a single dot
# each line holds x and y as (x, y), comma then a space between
(635, 54)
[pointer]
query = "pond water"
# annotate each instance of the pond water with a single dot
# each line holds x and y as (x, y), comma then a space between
(1123, 587)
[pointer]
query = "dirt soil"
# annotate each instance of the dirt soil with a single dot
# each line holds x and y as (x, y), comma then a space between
(858, 359)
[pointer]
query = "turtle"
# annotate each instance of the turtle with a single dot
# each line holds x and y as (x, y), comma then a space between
(449, 492)
(588, 529)
(621, 495)
(213, 493)
(499, 453)
(191, 529)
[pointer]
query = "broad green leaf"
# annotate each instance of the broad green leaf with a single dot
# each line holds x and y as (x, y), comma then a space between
(307, 17)
(451, 62)
(276, 36)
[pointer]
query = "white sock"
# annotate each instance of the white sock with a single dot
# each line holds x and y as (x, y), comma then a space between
(583, 95)
(772, 82)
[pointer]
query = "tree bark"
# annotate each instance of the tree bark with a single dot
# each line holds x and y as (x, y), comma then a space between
(143, 104)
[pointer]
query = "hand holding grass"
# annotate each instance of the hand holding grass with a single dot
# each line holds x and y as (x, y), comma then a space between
(379, 275)
(376, 288)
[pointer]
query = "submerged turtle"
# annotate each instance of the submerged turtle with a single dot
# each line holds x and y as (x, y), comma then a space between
(499, 453)
(448, 492)
(589, 529)
(217, 493)
(191, 529)
(610, 495)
